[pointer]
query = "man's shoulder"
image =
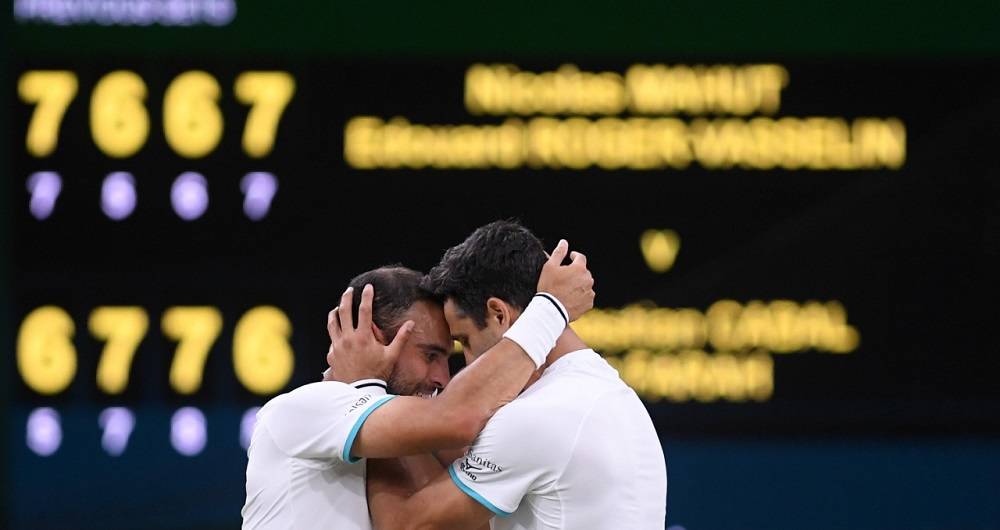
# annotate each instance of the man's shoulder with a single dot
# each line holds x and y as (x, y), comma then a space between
(324, 391)
(312, 395)
(313, 421)
(579, 380)
(547, 409)
(563, 397)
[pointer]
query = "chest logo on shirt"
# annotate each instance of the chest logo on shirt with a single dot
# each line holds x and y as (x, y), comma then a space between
(474, 464)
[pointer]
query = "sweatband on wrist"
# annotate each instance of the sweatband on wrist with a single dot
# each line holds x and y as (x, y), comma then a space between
(539, 327)
(555, 301)
(374, 386)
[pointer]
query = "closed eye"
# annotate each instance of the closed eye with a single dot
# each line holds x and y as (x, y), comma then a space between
(433, 352)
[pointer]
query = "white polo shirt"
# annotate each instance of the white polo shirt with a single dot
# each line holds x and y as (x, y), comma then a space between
(300, 473)
(576, 451)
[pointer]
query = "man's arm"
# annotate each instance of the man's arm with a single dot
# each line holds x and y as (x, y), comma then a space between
(519, 452)
(412, 425)
(409, 425)
(445, 457)
(420, 469)
(403, 476)
(439, 505)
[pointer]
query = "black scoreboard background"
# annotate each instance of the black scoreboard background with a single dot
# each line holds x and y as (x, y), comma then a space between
(165, 279)
(901, 249)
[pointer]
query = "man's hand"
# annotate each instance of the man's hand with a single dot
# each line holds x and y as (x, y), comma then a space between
(356, 353)
(572, 284)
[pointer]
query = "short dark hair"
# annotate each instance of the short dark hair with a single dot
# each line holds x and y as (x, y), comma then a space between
(397, 288)
(501, 259)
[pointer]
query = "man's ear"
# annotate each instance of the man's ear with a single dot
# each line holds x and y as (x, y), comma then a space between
(498, 310)
(379, 336)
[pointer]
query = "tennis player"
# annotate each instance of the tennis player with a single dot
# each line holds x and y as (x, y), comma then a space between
(575, 451)
(306, 466)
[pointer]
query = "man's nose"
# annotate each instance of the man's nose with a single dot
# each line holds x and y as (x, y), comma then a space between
(440, 375)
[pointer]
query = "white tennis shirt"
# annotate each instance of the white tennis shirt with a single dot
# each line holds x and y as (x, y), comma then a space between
(300, 473)
(576, 451)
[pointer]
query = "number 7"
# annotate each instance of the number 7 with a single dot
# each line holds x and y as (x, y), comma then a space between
(123, 328)
(195, 329)
(52, 91)
(269, 94)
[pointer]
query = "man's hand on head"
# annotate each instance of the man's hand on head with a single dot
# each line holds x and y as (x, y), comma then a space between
(355, 352)
(572, 284)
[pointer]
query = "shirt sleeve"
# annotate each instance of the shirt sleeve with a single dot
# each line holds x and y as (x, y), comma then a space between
(509, 459)
(321, 420)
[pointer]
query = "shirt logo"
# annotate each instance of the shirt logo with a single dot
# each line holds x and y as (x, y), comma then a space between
(474, 464)
(359, 403)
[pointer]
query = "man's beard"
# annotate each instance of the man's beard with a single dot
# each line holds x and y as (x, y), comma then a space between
(398, 386)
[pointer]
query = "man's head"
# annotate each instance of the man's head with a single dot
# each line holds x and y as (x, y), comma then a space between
(422, 366)
(486, 282)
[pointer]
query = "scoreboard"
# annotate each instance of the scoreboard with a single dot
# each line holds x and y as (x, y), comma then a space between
(185, 225)
(782, 245)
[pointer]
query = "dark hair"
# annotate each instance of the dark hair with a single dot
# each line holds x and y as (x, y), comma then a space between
(501, 259)
(397, 288)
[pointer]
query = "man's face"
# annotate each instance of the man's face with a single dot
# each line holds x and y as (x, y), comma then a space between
(422, 366)
(463, 328)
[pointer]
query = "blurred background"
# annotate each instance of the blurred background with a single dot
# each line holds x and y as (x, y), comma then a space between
(790, 208)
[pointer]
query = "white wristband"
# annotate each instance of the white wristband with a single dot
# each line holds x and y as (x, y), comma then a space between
(539, 326)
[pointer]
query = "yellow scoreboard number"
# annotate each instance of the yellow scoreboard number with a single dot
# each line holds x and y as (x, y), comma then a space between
(46, 357)
(122, 329)
(192, 122)
(263, 359)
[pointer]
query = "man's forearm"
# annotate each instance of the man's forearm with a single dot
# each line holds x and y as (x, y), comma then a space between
(396, 505)
(447, 456)
(389, 487)
(497, 377)
(407, 426)
(490, 382)
(421, 469)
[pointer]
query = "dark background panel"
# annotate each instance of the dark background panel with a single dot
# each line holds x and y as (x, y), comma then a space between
(901, 249)
(898, 434)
